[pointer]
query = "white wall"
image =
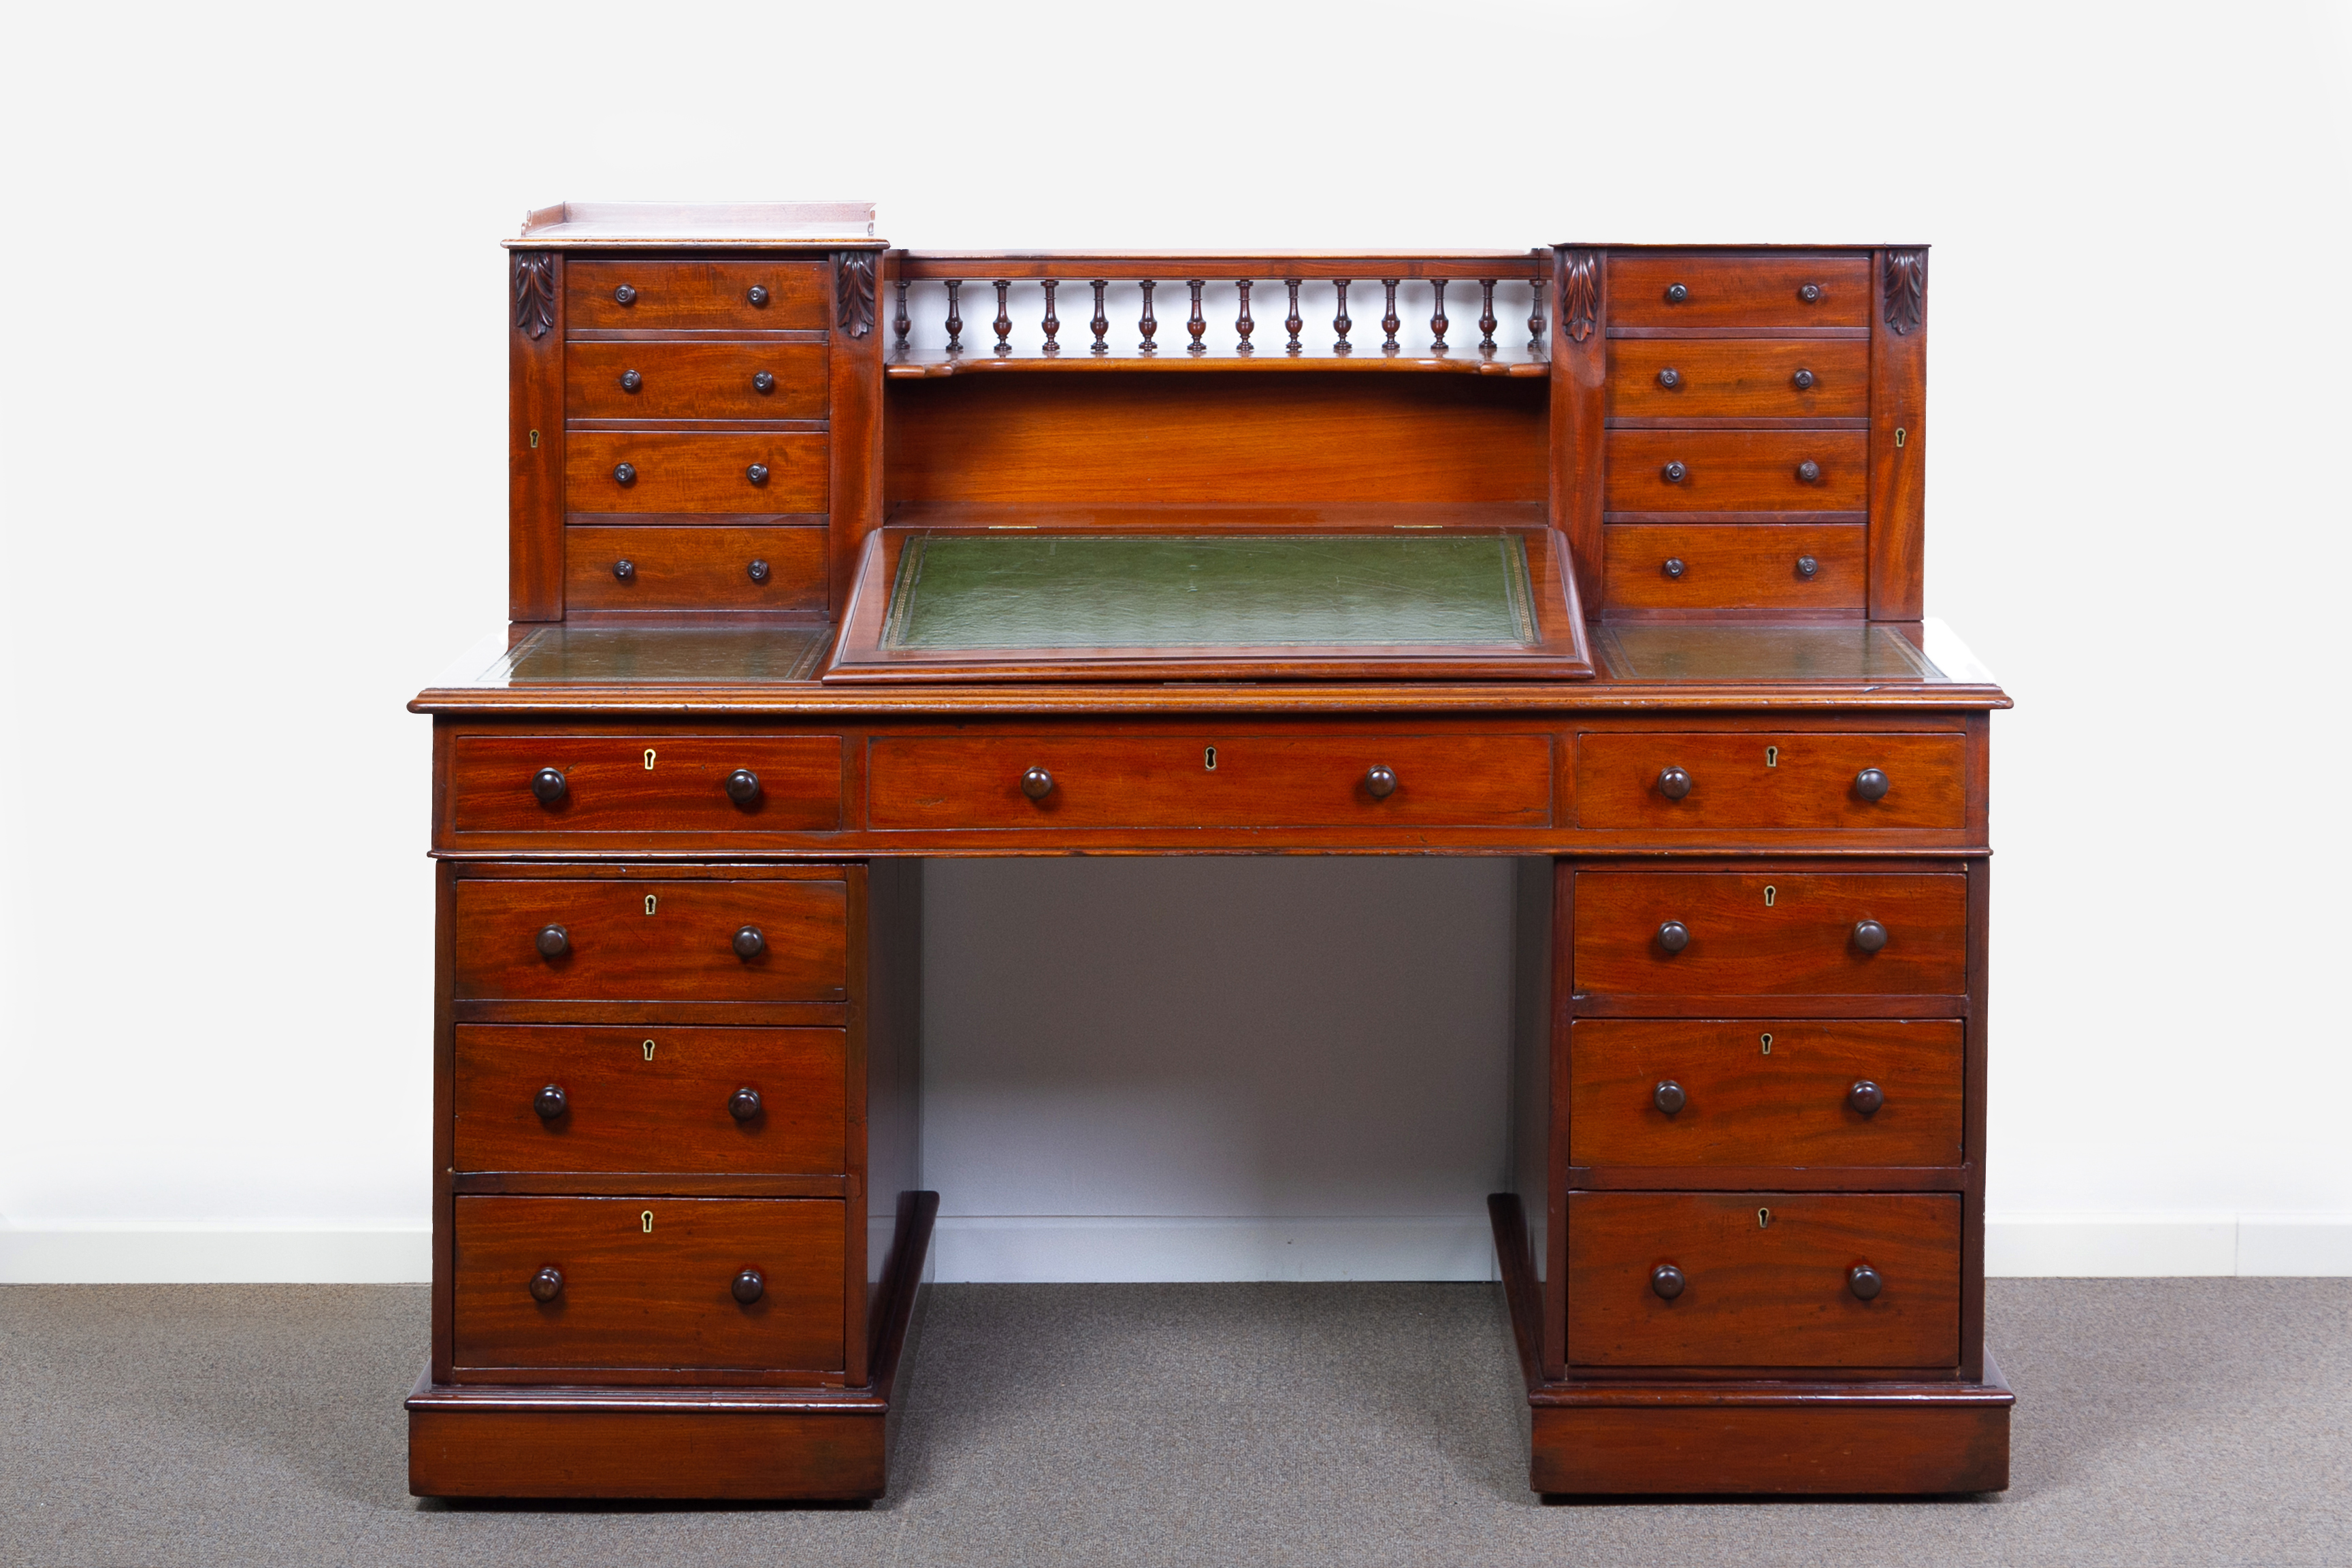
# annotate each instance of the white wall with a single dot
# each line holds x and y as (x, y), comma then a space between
(253, 499)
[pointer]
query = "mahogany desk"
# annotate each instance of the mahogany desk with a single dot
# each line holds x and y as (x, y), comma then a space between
(797, 602)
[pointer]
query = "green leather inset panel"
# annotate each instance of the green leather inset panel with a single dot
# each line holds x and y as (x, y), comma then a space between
(613, 656)
(1684, 650)
(1131, 590)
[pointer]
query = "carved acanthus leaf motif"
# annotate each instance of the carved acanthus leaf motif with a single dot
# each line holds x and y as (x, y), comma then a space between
(1906, 289)
(853, 289)
(1579, 293)
(534, 292)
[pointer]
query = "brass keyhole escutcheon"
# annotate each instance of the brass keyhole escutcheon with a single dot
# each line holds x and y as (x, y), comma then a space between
(1770, 893)
(1209, 759)
(646, 1219)
(649, 903)
(1763, 1219)
(1765, 1040)
(534, 440)
(1772, 756)
(1899, 434)
(649, 1049)
(649, 759)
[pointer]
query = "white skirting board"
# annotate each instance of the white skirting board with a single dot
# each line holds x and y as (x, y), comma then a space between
(1035, 1249)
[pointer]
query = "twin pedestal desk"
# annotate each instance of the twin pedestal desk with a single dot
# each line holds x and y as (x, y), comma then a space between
(814, 578)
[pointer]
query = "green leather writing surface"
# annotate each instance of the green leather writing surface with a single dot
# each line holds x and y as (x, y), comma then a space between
(606, 656)
(1114, 589)
(1689, 651)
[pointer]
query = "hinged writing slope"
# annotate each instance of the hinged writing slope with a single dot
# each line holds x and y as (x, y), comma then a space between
(1212, 603)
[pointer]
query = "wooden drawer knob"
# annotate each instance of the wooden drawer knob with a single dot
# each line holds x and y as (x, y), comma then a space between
(748, 1287)
(550, 1102)
(1807, 567)
(624, 295)
(631, 381)
(1667, 1281)
(547, 1285)
(549, 786)
(1809, 472)
(1673, 566)
(1803, 380)
(749, 942)
(743, 1105)
(1036, 784)
(1865, 1097)
(1381, 781)
(763, 381)
(1674, 936)
(757, 571)
(757, 473)
(759, 295)
(626, 571)
(1669, 1097)
(1674, 784)
(1675, 472)
(625, 473)
(742, 787)
(1869, 935)
(1670, 378)
(1864, 1282)
(1872, 784)
(1676, 293)
(554, 941)
(1810, 293)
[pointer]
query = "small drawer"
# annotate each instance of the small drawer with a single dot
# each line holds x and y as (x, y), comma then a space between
(1764, 1279)
(1814, 566)
(1211, 780)
(1737, 378)
(692, 567)
(645, 1283)
(695, 296)
(635, 939)
(1736, 470)
(715, 1101)
(1769, 932)
(1681, 781)
(1778, 288)
(695, 381)
(1648, 1092)
(645, 470)
(645, 783)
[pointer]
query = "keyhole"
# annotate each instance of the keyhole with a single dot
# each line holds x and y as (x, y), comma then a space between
(1771, 757)
(1209, 759)
(649, 759)
(646, 1219)
(1763, 1219)
(1899, 434)
(534, 439)
(649, 1049)
(1767, 1039)
(649, 903)
(1770, 893)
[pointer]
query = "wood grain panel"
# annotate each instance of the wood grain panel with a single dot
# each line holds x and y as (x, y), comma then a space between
(609, 787)
(535, 468)
(1838, 1442)
(695, 567)
(1736, 470)
(1802, 942)
(1165, 780)
(1763, 1092)
(700, 296)
(695, 471)
(696, 380)
(650, 1099)
(1735, 566)
(657, 1298)
(1769, 1292)
(1733, 378)
(1217, 437)
(1899, 465)
(1768, 778)
(682, 951)
(647, 1453)
(1724, 290)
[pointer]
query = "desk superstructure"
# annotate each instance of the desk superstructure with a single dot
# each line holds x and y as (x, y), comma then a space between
(798, 602)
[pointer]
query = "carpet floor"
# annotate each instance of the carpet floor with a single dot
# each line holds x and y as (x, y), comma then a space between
(2167, 1422)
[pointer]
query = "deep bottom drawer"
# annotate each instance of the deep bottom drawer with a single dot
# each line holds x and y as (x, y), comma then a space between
(1764, 1279)
(649, 1283)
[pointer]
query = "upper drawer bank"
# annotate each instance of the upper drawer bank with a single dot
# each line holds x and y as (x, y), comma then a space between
(733, 297)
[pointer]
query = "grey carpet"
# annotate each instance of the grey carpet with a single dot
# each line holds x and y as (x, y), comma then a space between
(2159, 1422)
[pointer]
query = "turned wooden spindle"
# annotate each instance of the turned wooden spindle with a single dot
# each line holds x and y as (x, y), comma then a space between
(955, 318)
(1295, 321)
(1004, 323)
(1199, 323)
(1053, 321)
(1437, 321)
(1151, 323)
(1486, 323)
(1242, 325)
(1388, 322)
(1535, 312)
(903, 324)
(1339, 323)
(1101, 323)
